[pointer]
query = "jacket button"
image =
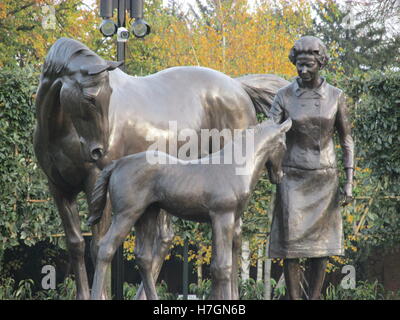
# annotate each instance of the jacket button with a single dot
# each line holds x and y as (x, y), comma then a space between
(317, 104)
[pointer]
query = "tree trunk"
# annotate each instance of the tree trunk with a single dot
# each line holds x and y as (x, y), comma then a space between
(199, 274)
(245, 272)
(260, 263)
(267, 274)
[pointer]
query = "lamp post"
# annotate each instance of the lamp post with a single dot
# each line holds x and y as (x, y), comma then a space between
(108, 28)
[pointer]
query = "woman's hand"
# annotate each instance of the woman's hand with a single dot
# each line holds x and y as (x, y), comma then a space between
(348, 193)
(348, 187)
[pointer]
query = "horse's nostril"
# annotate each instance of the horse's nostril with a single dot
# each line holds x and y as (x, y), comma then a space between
(97, 153)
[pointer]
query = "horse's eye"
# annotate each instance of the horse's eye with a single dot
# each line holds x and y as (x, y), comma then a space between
(91, 100)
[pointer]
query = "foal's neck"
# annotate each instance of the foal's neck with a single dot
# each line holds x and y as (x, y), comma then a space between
(263, 139)
(257, 146)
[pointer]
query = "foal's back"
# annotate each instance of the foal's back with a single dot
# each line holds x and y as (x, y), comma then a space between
(187, 189)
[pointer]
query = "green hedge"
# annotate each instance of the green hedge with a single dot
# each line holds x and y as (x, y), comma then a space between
(21, 181)
(376, 98)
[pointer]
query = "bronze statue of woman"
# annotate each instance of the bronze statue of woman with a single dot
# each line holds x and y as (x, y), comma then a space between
(306, 219)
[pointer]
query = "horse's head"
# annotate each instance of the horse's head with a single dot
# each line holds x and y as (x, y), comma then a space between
(85, 97)
(277, 152)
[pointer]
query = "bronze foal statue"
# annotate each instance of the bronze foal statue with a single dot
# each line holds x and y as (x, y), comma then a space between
(202, 190)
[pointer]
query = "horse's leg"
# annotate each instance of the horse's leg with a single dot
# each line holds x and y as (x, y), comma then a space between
(223, 224)
(99, 229)
(66, 205)
(145, 237)
(162, 236)
(121, 226)
(237, 245)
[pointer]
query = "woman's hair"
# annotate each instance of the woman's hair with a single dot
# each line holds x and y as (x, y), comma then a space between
(310, 45)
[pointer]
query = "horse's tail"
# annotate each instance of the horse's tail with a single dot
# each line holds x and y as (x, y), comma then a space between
(99, 194)
(262, 89)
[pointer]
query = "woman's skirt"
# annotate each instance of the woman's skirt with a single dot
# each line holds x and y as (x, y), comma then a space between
(306, 217)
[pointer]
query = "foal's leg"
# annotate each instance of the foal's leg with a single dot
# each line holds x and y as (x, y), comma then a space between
(237, 245)
(100, 228)
(163, 235)
(223, 224)
(121, 226)
(145, 236)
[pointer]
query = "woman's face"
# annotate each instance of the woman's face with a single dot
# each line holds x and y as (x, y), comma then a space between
(307, 68)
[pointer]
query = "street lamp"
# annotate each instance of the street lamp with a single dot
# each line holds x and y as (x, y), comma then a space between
(140, 28)
(108, 28)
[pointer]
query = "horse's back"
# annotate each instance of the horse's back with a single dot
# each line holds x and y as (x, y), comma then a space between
(195, 97)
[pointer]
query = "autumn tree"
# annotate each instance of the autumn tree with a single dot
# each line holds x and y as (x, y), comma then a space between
(225, 35)
(363, 35)
(28, 28)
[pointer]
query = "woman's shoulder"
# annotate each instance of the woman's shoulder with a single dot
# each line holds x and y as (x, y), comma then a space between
(333, 91)
(287, 90)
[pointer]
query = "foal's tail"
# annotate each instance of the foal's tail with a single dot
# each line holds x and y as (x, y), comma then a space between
(262, 89)
(99, 194)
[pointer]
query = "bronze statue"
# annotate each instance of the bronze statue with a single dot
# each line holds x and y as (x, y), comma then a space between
(203, 190)
(90, 113)
(306, 218)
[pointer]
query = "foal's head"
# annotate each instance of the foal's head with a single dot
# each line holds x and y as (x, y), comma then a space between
(272, 147)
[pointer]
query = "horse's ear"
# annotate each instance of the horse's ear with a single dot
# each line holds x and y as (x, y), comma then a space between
(114, 64)
(94, 69)
(286, 125)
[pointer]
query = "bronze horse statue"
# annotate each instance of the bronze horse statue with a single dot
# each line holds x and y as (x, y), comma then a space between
(89, 113)
(208, 189)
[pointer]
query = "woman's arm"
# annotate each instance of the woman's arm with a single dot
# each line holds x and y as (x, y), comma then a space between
(343, 127)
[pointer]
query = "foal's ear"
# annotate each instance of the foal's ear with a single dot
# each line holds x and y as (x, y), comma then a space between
(286, 125)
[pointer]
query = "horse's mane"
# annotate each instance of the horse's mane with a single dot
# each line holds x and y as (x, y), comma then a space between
(262, 89)
(60, 55)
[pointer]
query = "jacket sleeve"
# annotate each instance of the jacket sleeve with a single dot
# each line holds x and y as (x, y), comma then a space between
(343, 127)
(277, 112)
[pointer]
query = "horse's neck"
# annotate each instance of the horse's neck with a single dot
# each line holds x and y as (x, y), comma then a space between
(119, 79)
(122, 84)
